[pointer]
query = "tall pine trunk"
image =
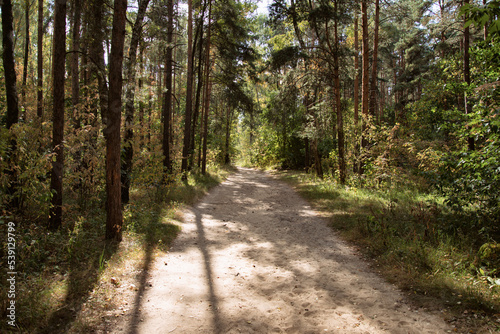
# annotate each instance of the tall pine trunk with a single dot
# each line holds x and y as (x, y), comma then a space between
(167, 107)
(338, 106)
(356, 94)
(130, 68)
(9, 64)
(208, 87)
(373, 82)
(468, 105)
(189, 95)
(365, 89)
(11, 94)
(26, 49)
(75, 48)
(58, 75)
(39, 99)
(114, 218)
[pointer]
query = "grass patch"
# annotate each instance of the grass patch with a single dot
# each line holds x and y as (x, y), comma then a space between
(415, 242)
(73, 281)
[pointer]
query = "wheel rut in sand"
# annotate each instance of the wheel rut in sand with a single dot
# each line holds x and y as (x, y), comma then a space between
(253, 257)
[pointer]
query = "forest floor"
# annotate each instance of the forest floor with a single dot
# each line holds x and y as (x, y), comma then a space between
(253, 257)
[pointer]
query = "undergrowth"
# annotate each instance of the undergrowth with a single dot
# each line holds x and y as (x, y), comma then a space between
(415, 242)
(69, 281)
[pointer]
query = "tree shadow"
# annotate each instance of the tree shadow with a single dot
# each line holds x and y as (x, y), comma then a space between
(155, 232)
(270, 222)
(83, 276)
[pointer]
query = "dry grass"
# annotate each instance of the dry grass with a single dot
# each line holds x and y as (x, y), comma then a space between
(412, 240)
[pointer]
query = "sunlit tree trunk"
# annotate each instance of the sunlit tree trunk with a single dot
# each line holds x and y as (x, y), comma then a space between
(199, 86)
(58, 75)
(189, 95)
(338, 106)
(167, 107)
(227, 156)
(373, 83)
(365, 76)
(114, 218)
(128, 147)
(208, 87)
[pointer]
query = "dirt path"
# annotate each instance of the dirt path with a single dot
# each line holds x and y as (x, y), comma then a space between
(254, 258)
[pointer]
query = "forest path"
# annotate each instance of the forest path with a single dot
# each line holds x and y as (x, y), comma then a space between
(253, 257)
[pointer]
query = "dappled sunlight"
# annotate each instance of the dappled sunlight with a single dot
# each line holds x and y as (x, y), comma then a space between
(270, 266)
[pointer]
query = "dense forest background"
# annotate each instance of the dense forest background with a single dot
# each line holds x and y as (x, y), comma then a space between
(101, 101)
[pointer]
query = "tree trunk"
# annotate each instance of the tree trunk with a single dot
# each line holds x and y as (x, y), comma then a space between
(338, 106)
(208, 88)
(485, 28)
(167, 107)
(9, 64)
(26, 49)
(365, 77)
(39, 100)
(227, 156)
(98, 68)
(75, 48)
(373, 83)
(75, 81)
(128, 147)
(467, 80)
(356, 94)
(189, 95)
(196, 110)
(58, 75)
(11, 94)
(114, 218)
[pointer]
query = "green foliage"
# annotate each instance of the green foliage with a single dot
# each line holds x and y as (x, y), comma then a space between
(412, 236)
(471, 179)
(484, 16)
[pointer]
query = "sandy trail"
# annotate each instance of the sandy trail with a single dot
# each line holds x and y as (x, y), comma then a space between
(253, 257)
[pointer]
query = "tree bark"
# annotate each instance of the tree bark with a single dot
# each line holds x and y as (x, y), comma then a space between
(227, 156)
(128, 147)
(189, 95)
(365, 76)
(98, 68)
(26, 49)
(114, 218)
(9, 64)
(468, 105)
(58, 76)
(75, 48)
(373, 83)
(199, 86)
(208, 88)
(167, 107)
(12, 115)
(39, 100)
(356, 94)
(338, 106)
